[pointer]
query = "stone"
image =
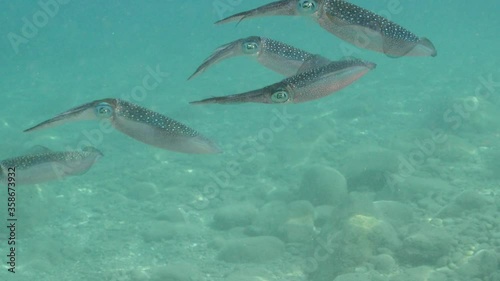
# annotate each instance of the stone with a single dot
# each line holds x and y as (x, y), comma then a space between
(270, 218)
(322, 213)
(252, 250)
(468, 200)
(471, 199)
(384, 263)
(323, 185)
(367, 169)
(301, 210)
(300, 224)
(480, 265)
(363, 235)
(396, 213)
(455, 149)
(415, 188)
(279, 192)
(425, 245)
(234, 215)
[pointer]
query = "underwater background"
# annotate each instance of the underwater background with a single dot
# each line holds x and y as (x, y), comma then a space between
(396, 177)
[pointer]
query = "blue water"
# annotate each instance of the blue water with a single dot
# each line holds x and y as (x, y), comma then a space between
(142, 213)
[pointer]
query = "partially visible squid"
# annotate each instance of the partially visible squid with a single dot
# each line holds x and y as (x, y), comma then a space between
(351, 23)
(275, 55)
(46, 166)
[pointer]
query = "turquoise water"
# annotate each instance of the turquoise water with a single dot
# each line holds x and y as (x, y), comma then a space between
(396, 177)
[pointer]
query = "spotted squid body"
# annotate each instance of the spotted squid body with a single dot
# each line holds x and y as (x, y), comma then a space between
(139, 123)
(351, 23)
(314, 83)
(47, 166)
(277, 56)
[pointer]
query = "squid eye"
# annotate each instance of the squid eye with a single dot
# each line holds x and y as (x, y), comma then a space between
(280, 96)
(307, 6)
(104, 110)
(250, 47)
